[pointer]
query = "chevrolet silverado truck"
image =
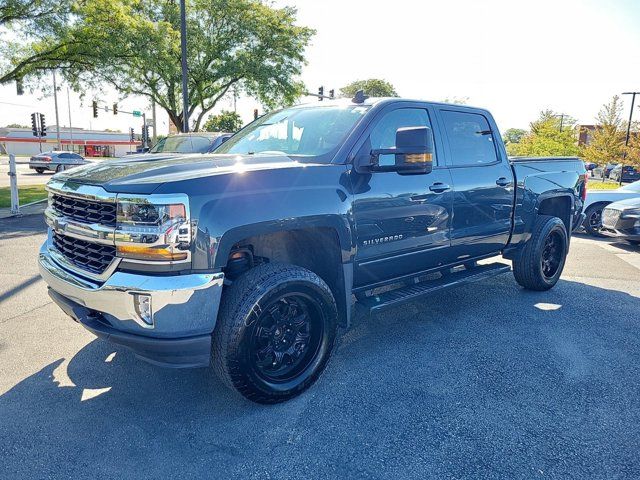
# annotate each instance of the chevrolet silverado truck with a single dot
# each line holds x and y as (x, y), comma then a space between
(249, 259)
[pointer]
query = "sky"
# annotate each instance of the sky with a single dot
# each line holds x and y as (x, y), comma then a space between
(512, 57)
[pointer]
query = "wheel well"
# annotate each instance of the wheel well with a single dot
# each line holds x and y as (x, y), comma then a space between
(316, 249)
(558, 207)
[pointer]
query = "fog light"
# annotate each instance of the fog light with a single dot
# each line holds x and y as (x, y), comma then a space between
(142, 305)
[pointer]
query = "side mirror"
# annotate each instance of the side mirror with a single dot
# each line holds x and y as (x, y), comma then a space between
(413, 152)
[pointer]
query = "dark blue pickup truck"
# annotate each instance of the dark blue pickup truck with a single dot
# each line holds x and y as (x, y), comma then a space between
(249, 259)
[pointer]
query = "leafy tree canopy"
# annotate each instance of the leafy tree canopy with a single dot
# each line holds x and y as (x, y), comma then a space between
(513, 135)
(547, 138)
(374, 87)
(134, 46)
(223, 122)
(16, 125)
(607, 142)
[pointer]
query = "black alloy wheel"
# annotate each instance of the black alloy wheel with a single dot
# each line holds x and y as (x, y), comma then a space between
(552, 254)
(286, 338)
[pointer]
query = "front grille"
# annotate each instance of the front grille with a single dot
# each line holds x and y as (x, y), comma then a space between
(89, 256)
(87, 211)
(610, 217)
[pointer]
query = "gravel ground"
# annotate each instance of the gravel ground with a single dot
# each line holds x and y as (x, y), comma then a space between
(486, 381)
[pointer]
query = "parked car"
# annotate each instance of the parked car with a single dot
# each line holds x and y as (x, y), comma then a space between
(56, 161)
(622, 220)
(248, 258)
(627, 172)
(603, 172)
(174, 146)
(597, 200)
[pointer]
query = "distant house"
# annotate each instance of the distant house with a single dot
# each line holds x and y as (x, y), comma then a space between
(88, 143)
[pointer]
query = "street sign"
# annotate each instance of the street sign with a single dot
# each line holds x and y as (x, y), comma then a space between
(137, 113)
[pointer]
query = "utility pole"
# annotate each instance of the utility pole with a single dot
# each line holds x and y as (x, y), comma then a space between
(626, 142)
(70, 125)
(153, 121)
(183, 47)
(55, 101)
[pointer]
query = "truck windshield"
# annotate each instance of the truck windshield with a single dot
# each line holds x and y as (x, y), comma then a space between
(182, 144)
(311, 133)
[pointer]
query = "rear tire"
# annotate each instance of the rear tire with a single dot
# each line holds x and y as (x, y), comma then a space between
(593, 220)
(40, 170)
(60, 168)
(275, 333)
(540, 263)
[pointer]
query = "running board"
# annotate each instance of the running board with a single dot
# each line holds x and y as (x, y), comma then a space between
(398, 296)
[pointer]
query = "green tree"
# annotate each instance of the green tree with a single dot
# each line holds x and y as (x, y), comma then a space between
(134, 46)
(223, 122)
(373, 87)
(513, 135)
(548, 136)
(607, 142)
(16, 125)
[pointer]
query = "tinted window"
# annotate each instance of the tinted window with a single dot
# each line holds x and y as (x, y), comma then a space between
(470, 138)
(383, 134)
(64, 155)
(182, 144)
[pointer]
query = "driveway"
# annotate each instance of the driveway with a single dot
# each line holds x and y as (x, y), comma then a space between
(486, 381)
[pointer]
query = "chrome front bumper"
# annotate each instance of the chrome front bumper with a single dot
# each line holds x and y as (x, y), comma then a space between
(183, 305)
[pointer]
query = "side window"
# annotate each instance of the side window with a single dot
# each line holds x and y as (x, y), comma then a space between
(470, 139)
(64, 155)
(383, 134)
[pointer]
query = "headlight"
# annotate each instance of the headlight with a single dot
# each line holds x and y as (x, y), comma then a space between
(630, 213)
(150, 229)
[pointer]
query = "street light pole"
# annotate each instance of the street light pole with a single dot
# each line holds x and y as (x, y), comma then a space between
(626, 141)
(183, 46)
(55, 101)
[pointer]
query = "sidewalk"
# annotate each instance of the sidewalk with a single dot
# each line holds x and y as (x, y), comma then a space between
(33, 209)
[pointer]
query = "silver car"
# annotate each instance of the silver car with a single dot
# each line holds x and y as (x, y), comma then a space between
(56, 161)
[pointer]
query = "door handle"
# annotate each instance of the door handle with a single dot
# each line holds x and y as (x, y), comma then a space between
(503, 182)
(439, 187)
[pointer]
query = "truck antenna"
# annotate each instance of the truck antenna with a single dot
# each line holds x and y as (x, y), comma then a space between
(359, 97)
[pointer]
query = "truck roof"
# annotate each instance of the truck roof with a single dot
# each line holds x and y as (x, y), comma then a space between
(371, 101)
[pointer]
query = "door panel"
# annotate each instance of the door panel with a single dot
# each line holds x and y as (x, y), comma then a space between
(483, 199)
(402, 222)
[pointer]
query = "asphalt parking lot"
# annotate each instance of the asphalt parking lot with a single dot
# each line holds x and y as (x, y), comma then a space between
(487, 381)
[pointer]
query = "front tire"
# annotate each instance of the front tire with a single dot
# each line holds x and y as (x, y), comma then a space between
(40, 170)
(275, 333)
(541, 261)
(593, 220)
(60, 168)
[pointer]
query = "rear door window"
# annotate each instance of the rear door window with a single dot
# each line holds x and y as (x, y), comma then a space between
(471, 141)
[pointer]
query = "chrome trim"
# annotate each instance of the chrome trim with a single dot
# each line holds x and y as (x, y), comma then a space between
(93, 232)
(183, 305)
(79, 190)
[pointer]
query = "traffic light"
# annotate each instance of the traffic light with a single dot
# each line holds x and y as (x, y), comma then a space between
(115, 108)
(147, 136)
(43, 126)
(321, 93)
(132, 136)
(255, 113)
(94, 105)
(144, 136)
(332, 93)
(19, 87)
(34, 125)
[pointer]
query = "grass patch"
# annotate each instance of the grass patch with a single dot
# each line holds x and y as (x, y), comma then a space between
(27, 194)
(600, 185)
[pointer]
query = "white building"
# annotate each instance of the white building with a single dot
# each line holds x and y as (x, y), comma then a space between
(88, 143)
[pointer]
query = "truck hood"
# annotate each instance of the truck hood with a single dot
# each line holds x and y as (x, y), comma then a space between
(131, 175)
